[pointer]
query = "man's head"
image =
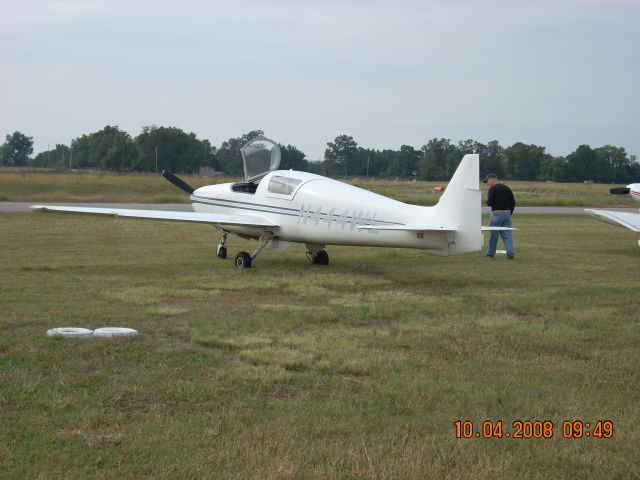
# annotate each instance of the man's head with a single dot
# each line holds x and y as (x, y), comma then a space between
(491, 179)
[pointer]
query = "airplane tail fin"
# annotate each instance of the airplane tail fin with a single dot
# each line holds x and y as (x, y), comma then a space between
(460, 206)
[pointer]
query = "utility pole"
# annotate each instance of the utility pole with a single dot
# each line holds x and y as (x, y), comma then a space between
(156, 159)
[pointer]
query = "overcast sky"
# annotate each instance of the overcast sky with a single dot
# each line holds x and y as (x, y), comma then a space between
(555, 73)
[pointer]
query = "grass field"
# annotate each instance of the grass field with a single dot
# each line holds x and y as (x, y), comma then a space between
(29, 186)
(356, 370)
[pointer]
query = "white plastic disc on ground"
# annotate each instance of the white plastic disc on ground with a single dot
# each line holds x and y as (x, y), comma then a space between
(501, 252)
(114, 332)
(76, 332)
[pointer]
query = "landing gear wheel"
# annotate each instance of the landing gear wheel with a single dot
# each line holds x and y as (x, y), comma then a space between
(243, 260)
(222, 252)
(320, 258)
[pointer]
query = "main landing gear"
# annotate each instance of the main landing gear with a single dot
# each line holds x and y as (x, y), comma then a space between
(316, 254)
(243, 259)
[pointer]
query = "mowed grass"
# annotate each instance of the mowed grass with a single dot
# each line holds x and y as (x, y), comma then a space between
(35, 186)
(289, 370)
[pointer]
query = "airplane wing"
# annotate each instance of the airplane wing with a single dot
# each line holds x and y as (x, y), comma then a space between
(210, 218)
(629, 220)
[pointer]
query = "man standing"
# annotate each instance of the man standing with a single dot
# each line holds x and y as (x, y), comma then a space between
(502, 203)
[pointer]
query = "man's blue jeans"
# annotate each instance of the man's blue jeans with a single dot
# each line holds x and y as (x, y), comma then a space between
(501, 218)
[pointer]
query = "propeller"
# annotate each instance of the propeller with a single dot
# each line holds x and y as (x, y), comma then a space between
(181, 184)
(620, 190)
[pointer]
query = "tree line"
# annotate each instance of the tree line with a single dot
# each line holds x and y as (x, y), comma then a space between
(170, 148)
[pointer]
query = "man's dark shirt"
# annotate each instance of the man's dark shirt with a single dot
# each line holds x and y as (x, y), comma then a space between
(501, 198)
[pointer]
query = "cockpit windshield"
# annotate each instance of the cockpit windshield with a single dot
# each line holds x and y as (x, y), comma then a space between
(283, 185)
(260, 156)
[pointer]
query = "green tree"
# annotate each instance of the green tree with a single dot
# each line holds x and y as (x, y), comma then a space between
(492, 159)
(340, 156)
(229, 155)
(585, 164)
(523, 161)
(371, 162)
(293, 159)
(107, 149)
(59, 157)
(551, 168)
(428, 166)
(437, 159)
(121, 154)
(177, 151)
(403, 163)
(16, 150)
(619, 165)
(82, 153)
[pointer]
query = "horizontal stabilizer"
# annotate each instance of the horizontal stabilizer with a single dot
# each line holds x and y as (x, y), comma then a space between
(409, 228)
(211, 218)
(425, 228)
(497, 229)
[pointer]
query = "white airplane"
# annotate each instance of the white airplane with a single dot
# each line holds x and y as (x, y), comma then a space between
(630, 220)
(279, 206)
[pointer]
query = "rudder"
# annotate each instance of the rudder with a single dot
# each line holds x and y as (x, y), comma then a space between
(460, 205)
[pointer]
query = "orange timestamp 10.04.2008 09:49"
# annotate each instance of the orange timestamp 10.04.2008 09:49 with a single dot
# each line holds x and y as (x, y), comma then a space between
(524, 429)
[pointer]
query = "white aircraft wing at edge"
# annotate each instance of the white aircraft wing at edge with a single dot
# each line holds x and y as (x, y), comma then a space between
(629, 220)
(210, 218)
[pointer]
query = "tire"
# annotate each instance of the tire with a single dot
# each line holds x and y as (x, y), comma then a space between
(115, 332)
(321, 258)
(222, 252)
(73, 332)
(243, 260)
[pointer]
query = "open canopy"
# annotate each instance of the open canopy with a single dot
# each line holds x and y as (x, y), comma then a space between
(260, 156)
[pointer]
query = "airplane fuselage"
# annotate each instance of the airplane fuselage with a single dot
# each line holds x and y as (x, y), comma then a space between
(313, 209)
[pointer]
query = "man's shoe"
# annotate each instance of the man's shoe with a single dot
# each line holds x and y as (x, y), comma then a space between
(510, 257)
(489, 255)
